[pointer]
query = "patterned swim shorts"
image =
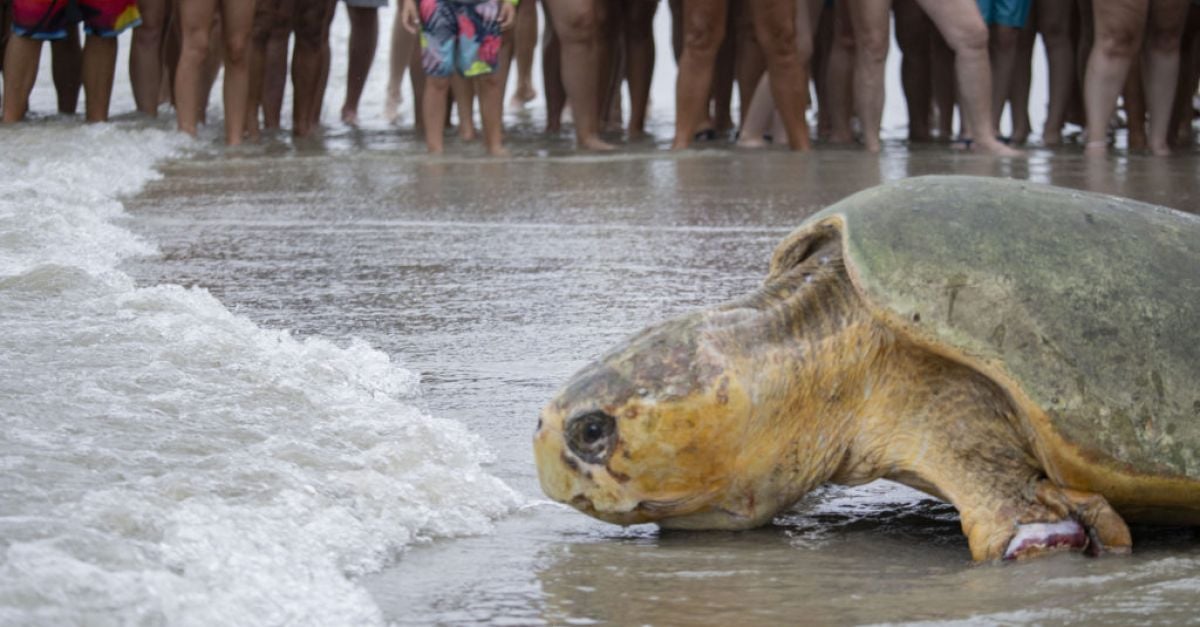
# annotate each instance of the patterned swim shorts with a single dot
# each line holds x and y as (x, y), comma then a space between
(50, 19)
(459, 35)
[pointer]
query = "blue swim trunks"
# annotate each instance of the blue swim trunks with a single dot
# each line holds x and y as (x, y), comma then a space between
(458, 34)
(1006, 12)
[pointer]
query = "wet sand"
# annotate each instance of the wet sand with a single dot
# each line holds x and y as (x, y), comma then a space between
(498, 279)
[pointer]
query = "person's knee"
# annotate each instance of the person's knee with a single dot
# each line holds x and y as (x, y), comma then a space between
(578, 26)
(971, 39)
(1164, 41)
(871, 49)
(704, 40)
(237, 51)
(147, 36)
(778, 39)
(194, 47)
(1122, 42)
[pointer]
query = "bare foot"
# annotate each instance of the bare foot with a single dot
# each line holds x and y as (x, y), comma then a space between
(636, 134)
(349, 117)
(498, 151)
(1051, 138)
(523, 96)
(995, 147)
(466, 132)
(1137, 141)
(1160, 150)
(872, 144)
(596, 144)
(1097, 148)
(751, 142)
(391, 108)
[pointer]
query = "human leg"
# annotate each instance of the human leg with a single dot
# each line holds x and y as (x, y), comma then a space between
(364, 37)
(1054, 23)
(1002, 53)
(463, 92)
(237, 19)
(398, 58)
(66, 66)
(960, 23)
(639, 59)
(309, 26)
(1160, 67)
(870, 22)
(1118, 27)
(786, 39)
(99, 64)
(21, 57)
(912, 35)
(556, 93)
(526, 37)
(434, 103)
(839, 78)
(1018, 89)
(577, 28)
(145, 57)
(703, 31)
(195, 21)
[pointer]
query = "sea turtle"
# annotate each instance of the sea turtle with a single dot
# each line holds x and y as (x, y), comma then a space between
(1027, 353)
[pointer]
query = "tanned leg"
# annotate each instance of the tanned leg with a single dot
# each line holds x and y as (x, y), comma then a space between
(491, 105)
(577, 28)
(871, 39)
(145, 58)
(195, 20)
(364, 37)
(275, 73)
(1161, 67)
(311, 17)
(556, 93)
(66, 66)
(1018, 90)
(21, 57)
(1133, 102)
(398, 58)
(1054, 23)
(99, 64)
(703, 31)
(463, 91)
(840, 76)
(1002, 52)
(912, 35)
(639, 58)
(237, 22)
(526, 38)
(437, 90)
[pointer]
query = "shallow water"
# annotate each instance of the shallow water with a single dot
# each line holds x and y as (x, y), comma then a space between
(496, 280)
(296, 384)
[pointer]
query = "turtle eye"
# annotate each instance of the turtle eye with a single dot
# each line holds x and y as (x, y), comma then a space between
(591, 436)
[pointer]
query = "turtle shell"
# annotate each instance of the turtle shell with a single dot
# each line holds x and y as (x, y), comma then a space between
(1084, 307)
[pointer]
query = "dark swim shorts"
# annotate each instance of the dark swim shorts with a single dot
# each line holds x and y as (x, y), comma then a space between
(459, 34)
(50, 19)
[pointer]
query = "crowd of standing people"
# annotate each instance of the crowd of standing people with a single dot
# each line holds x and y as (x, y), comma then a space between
(973, 55)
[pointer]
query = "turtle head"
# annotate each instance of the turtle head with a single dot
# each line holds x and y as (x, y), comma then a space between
(654, 432)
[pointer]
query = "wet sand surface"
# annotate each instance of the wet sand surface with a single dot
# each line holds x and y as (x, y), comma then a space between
(498, 279)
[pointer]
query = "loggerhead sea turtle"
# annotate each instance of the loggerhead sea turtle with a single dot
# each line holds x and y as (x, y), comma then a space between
(1027, 353)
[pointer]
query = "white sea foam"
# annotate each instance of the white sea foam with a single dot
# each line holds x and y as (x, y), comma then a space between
(164, 461)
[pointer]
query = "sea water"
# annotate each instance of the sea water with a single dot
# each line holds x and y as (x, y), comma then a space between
(165, 460)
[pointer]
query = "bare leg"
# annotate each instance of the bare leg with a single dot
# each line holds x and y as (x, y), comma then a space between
(398, 59)
(786, 38)
(870, 22)
(259, 36)
(945, 86)
(556, 93)
(759, 116)
(237, 23)
(526, 43)
(912, 35)
(724, 76)
(491, 105)
(310, 20)
(145, 58)
(639, 60)
(21, 57)
(99, 64)
(822, 45)
(1118, 36)
(463, 91)
(364, 37)
(1018, 91)
(416, 77)
(66, 66)
(840, 76)
(1161, 67)
(1053, 22)
(1133, 100)
(703, 31)
(1002, 52)
(211, 67)
(275, 75)
(749, 64)
(577, 27)
(435, 98)
(1180, 133)
(959, 21)
(195, 18)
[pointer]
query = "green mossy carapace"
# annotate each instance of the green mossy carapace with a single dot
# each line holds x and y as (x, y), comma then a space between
(1027, 353)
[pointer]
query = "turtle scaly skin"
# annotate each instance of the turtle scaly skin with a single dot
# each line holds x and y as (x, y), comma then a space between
(723, 418)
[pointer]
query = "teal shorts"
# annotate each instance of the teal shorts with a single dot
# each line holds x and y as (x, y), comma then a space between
(1006, 12)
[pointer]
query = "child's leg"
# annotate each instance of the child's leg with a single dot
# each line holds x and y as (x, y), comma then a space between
(491, 102)
(434, 111)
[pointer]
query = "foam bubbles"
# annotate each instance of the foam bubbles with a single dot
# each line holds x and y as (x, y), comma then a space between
(165, 461)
